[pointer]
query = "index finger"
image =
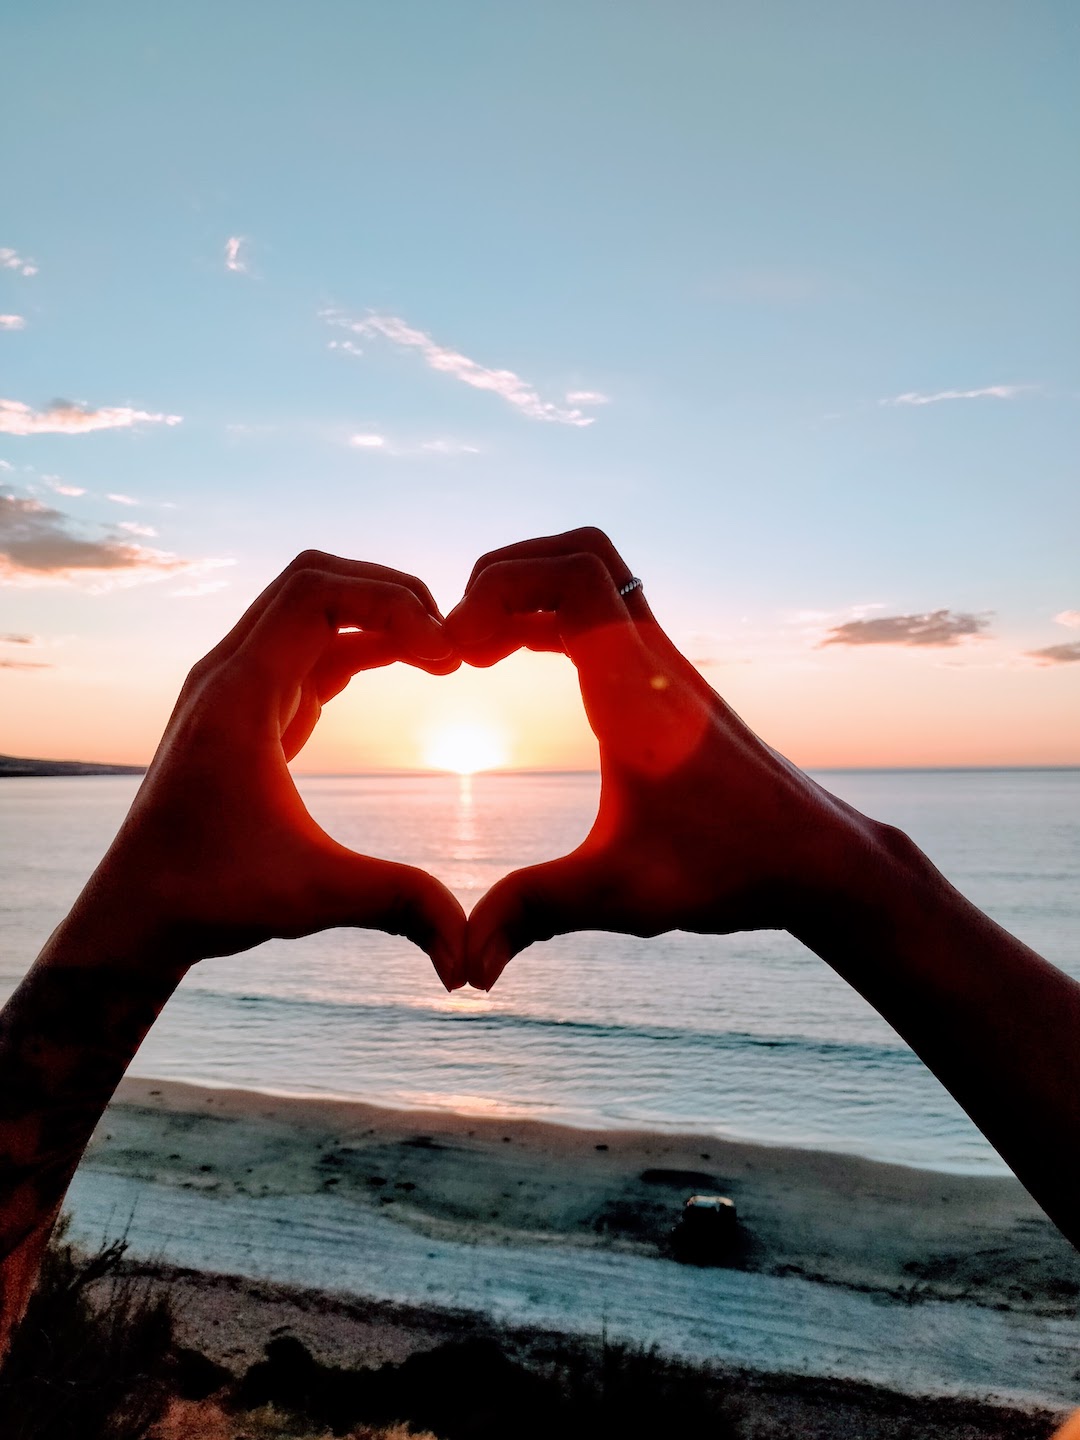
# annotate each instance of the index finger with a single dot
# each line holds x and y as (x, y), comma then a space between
(325, 564)
(308, 613)
(586, 540)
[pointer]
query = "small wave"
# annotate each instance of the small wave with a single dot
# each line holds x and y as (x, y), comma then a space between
(501, 1022)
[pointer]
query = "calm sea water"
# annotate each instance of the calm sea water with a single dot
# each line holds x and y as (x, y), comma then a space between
(747, 1036)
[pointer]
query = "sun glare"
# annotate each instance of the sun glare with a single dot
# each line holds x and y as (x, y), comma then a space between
(465, 749)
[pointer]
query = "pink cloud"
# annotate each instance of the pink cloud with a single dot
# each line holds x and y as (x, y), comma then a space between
(235, 260)
(42, 546)
(63, 417)
(935, 627)
(508, 385)
(1071, 618)
(12, 322)
(9, 260)
(1068, 654)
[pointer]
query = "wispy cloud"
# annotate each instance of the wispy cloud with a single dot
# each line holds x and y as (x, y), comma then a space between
(63, 417)
(508, 385)
(1066, 654)
(379, 444)
(132, 527)
(587, 397)
(236, 255)
(7, 663)
(1071, 618)
(448, 447)
(936, 627)
(200, 587)
(42, 546)
(349, 347)
(9, 260)
(12, 322)
(119, 499)
(988, 392)
(59, 488)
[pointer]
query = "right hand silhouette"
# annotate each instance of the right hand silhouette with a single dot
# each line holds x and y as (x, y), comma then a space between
(701, 826)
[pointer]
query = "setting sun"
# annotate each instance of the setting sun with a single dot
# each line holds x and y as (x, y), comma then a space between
(465, 749)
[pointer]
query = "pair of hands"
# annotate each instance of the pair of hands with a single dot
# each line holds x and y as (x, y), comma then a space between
(700, 826)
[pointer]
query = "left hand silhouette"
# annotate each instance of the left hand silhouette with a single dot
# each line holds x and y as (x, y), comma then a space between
(218, 852)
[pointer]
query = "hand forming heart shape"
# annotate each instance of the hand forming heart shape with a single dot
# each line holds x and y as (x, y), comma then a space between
(700, 826)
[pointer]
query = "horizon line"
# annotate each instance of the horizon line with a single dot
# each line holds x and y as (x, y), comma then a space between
(419, 771)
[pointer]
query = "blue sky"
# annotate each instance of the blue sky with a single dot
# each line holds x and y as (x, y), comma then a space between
(819, 262)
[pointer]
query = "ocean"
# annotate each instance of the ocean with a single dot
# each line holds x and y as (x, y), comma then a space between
(745, 1036)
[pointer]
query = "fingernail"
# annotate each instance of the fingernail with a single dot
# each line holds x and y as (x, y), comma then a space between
(438, 649)
(447, 966)
(494, 959)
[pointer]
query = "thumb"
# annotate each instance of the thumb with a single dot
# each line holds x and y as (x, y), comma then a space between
(370, 894)
(530, 904)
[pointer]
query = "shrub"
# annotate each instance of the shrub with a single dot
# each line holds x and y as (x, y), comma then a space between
(92, 1356)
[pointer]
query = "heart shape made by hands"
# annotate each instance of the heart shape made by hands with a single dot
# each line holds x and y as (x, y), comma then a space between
(699, 826)
(698, 821)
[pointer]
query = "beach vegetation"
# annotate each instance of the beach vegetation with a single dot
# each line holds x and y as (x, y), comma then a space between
(97, 1358)
(94, 1356)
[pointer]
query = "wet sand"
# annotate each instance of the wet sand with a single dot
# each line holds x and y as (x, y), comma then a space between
(883, 1229)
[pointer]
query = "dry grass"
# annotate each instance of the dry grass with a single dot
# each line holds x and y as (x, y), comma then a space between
(206, 1420)
(93, 1355)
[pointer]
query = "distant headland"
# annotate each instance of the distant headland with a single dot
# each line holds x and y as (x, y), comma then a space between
(12, 765)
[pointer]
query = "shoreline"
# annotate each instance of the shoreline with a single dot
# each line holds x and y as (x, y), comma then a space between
(874, 1226)
(612, 1125)
(921, 1283)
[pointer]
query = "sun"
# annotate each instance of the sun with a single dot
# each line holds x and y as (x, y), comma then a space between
(465, 749)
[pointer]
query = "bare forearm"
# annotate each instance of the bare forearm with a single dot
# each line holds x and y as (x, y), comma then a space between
(67, 1035)
(996, 1023)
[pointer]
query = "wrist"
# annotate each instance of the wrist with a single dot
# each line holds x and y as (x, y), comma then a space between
(120, 927)
(879, 888)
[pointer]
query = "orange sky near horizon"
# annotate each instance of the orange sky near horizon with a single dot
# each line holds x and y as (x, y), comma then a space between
(887, 707)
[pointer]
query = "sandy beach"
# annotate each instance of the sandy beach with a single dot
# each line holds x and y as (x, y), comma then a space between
(374, 1232)
(884, 1229)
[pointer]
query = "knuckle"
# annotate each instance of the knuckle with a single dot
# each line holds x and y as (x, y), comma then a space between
(591, 537)
(303, 584)
(484, 564)
(586, 567)
(309, 560)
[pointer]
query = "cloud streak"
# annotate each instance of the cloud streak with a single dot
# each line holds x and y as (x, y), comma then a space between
(1069, 618)
(42, 546)
(12, 322)
(936, 627)
(508, 385)
(1067, 654)
(64, 417)
(377, 444)
(988, 392)
(10, 260)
